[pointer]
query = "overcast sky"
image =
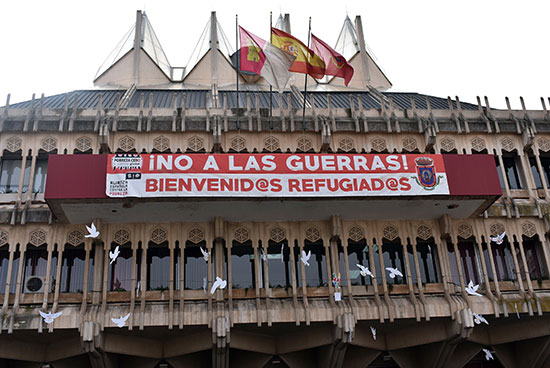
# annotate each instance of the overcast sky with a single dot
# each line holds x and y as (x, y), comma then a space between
(442, 48)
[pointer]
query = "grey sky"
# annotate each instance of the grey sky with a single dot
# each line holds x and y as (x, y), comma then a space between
(466, 48)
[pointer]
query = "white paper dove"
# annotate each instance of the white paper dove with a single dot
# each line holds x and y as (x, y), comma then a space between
(373, 331)
(49, 317)
(478, 319)
(93, 233)
(364, 271)
(394, 272)
(499, 238)
(219, 283)
(305, 257)
(488, 355)
(120, 322)
(205, 254)
(472, 289)
(114, 255)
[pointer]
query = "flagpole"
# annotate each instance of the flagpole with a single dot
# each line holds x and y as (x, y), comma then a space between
(270, 86)
(238, 56)
(305, 83)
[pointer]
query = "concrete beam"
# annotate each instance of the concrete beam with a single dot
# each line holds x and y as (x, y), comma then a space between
(188, 344)
(132, 345)
(359, 357)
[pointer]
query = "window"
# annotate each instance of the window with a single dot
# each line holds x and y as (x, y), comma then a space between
(242, 266)
(545, 164)
(278, 260)
(72, 270)
(392, 253)
(315, 273)
(10, 175)
(358, 253)
(504, 263)
(468, 258)
(36, 261)
(40, 171)
(532, 257)
(4, 261)
(158, 266)
(426, 251)
(120, 271)
(512, 172)
(196, 268)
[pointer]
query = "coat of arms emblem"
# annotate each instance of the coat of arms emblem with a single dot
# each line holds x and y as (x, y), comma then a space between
(427, 177)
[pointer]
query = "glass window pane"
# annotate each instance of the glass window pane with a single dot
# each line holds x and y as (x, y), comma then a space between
(40, 171)
(196, 268)
(279, 265)
(158, 267)
(9, 176)
(242, 265)
(535, 172)
(317, 269)
(120, 271)
(4, 261)
(393, 257)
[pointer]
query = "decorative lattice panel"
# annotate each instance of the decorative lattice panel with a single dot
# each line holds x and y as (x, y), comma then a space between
(448, 145)
(75, 237)
(3, 238)
(313, 234)
(478, 144)
(390, 232)
(277, 234)
(528, 229)
(241, 234)
(122, 236)
(424, 232)
(304, 144)
(378, 144)
(271, 144)
(196, 235)
(465, 231)
(356, 233)
(195, 143)
(158, 235)
(126, 143)
(409, 144)
(238, 143)
(37, 237)
(13, 144)
(497, 229)
(83, 144)
(48, 144)
(161, 143)
(346, 144)
(544, 144)
(507, 144)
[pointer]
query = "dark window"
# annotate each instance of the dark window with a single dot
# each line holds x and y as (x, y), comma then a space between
(196, 268)
(512, 172)
(242, 266)
(72, 270)
(545, 163)
(392, 253)
(358, 253)
(158, 266)
(504, 263)
(468, 258)
(532, 257)
(4, 261)
(426, 251)
(41, 168)
(11, 173)
(317, 269)
(36, 261)
(120, 271)
(452, 263)
(279, 264)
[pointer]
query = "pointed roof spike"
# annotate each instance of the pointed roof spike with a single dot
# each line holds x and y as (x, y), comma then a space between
(144, 40)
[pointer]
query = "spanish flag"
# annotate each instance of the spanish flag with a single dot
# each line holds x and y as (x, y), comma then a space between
(306, 62)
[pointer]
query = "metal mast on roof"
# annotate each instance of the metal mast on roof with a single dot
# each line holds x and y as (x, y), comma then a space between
(305, 83)
(238, 53)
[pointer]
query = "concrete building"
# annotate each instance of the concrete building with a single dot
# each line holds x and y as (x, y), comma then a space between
(492, 168)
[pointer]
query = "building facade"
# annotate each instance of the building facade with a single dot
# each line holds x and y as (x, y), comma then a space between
(275, 311)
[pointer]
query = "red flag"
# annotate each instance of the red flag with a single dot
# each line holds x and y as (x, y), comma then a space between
(335, 63)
